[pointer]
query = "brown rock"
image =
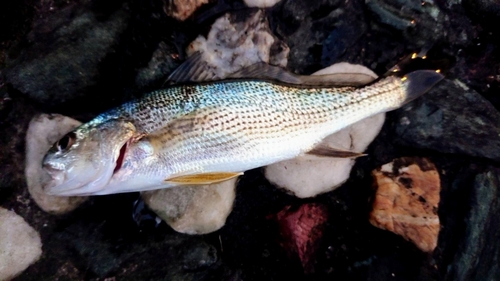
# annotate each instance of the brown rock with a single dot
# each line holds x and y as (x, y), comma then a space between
(406, 201)
(182, 9)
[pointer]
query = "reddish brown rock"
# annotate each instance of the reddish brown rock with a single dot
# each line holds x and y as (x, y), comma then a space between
(301, 230)
(182, 9)
(406, 200)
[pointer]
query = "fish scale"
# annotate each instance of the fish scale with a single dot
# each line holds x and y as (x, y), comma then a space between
(234, 126)
(213, 131)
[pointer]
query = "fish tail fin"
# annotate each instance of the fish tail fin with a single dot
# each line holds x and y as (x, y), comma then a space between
(418, 74)
(419, 82)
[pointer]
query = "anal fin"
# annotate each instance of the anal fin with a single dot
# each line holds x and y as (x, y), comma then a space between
(205, 178)
(327, 151)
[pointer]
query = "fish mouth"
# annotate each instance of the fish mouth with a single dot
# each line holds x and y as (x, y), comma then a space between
(51, 170)
(56, 177)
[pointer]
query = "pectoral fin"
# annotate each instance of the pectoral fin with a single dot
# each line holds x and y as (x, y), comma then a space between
(324, 150)
(205, 178)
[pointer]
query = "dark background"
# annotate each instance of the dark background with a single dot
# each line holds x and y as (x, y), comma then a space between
(53, 61)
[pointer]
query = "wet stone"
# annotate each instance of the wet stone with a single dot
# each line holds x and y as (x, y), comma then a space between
(20, 244)
(193, 209)
(198, 256)
(486, 9)
(315, 29)
(479, 252)
(421, 22)
(5, 101)
(182, 9)
(406, 200)
(237, 40)
(301, 230)
(64, 59)
(433, 122)
(162, 63)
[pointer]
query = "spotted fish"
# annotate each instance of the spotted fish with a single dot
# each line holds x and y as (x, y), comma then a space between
(202, 133)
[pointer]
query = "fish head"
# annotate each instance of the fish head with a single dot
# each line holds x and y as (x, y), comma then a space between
(83, 161)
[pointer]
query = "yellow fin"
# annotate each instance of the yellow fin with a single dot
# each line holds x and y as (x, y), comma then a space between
(206, 178)
(324, 150)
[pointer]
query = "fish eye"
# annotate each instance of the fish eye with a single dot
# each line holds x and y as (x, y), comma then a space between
(66, 142)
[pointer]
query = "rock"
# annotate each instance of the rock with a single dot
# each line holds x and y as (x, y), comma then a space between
(233, 43)
(487, 10)
(159, 67)
(432, 122)
(182, 9)
(301, 230)
(198, 256)
(20, 245)
(420, 22)
(478, 252)
(68, 270)
(101, 254)
(64, 57)
(193, 209)
(317, 32)
(5, 102)
(261, 3)
(406, 201)
(312, 175)
(43, 131)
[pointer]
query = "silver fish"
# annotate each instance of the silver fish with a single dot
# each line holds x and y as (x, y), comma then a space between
(211, 132)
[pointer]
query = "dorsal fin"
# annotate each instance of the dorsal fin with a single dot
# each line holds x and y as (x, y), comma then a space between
(194, 69)
(265, 71)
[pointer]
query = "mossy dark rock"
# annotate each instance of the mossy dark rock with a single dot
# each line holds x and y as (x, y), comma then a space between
(451, 118)
(63, 56)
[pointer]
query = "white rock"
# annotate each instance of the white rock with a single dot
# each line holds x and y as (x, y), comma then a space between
(308, 176)
(20, 245)
(261, 3)
(193, 209)
(231, 45)
(43, 131)
(345, 67)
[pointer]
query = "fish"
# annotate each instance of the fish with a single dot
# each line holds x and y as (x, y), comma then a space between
(204, 133)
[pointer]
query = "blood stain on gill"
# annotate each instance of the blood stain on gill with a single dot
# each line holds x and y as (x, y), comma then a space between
(119, 161)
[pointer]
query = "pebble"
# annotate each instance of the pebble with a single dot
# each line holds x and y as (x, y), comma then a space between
(406, 201)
